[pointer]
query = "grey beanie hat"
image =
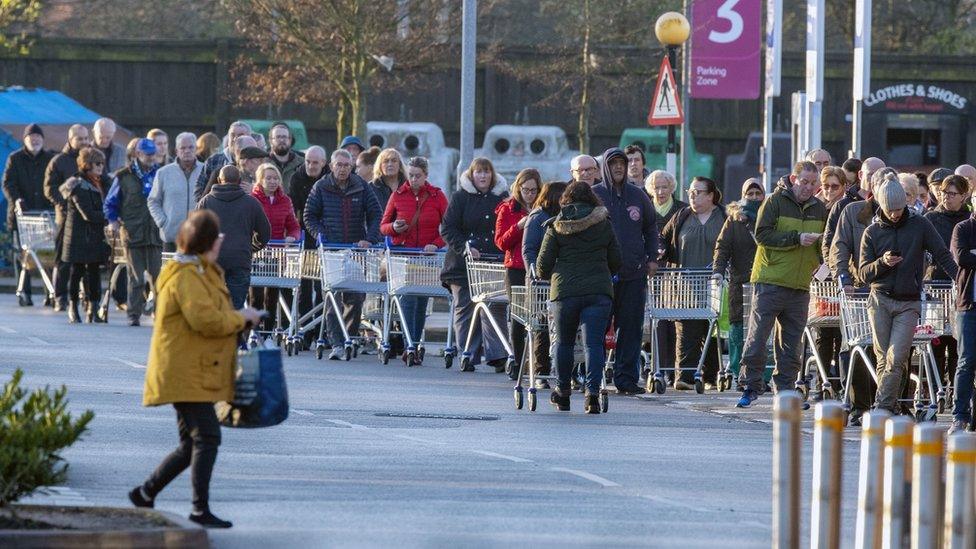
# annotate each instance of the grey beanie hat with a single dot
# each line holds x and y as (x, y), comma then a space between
(890, 195)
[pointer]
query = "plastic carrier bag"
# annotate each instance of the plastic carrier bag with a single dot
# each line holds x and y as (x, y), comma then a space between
(260, 392)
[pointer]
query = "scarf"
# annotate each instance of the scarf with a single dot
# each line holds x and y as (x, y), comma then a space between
(751, 208)
(663, 209)
(146, 178)
(96, 182)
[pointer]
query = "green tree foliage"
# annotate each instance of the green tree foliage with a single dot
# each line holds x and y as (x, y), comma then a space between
(33, 430)
(15, 16)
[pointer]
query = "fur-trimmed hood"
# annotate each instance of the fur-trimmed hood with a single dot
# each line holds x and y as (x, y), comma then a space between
(576, 218)
(500, 187)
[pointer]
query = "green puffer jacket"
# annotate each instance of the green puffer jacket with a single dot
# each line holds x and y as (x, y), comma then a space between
(579, 252)
(780, 260)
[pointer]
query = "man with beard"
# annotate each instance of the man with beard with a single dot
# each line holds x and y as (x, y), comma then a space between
(126, 202)
(635, 226)
(62, 167)
(237, 148)
(282, 156)
(23, 185)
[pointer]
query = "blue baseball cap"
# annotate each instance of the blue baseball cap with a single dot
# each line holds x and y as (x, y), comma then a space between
(352, 140)
(146, 146)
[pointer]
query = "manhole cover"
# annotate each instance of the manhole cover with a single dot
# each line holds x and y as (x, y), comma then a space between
(436, 416)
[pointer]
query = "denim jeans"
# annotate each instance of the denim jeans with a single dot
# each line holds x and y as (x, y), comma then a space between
(592, 313)
(237, 281)
(966, 338)
(415, 313)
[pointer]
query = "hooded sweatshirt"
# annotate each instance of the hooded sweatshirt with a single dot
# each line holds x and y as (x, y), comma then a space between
(579, 252)
(633, 218)
(242, 221)
(912, 236)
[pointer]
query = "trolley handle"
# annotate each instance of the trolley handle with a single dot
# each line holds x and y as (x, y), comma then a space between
(388, 244)
(346, 246)
(481, 256)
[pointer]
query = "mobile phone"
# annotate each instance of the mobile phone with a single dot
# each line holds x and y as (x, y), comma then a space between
(896, 254)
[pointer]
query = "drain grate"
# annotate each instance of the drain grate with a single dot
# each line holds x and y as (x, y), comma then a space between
(435, 416)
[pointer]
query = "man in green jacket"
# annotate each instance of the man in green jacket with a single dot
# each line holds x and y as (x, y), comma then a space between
(127, 203)
(789, 227)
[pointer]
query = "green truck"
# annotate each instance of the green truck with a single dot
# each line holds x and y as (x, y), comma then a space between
(296, 126)
(654, 141)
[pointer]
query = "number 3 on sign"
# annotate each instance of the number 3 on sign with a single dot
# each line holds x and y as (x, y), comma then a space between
(727, 11)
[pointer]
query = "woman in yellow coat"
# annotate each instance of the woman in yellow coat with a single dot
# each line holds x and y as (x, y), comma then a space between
(191, 359)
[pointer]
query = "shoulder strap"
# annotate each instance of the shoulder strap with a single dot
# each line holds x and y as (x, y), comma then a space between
(416, 214)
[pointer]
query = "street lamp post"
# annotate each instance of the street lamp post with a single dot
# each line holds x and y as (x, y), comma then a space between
(672, 30)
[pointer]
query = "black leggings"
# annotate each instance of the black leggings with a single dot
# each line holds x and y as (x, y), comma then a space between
(199, 439)
(89, 272)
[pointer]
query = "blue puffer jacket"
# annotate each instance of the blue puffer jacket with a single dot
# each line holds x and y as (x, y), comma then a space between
(343, 216)
(532, 237)
(634, 221)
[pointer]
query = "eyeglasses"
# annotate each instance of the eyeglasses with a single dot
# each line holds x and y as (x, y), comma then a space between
(696, 192)
(98, 163)
(950, 194)
(530, 189)
(834, 186)
(584, 170)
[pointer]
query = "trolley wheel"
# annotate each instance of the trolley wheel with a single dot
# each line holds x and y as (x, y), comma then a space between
(252, 343)
(411, 356)
(319, 351)
(421, 352)
(385, 356)
(660, 386)
(466, 366)
(448, 360)
(724, 383)
(699, 386)
(289, 348)
(604, 402)
(348, 353)
(278, 338)
(828, 393)
(926, 414)
(518, 396)
(532, 401)
(607, 376)
(941, 406)
(355, 351)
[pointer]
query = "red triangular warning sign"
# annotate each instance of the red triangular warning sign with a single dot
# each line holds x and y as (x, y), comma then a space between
(665, 109)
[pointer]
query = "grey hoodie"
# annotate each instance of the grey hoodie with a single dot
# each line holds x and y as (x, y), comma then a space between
(242, 221)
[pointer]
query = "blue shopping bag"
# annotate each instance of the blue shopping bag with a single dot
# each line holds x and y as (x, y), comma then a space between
(260, 392)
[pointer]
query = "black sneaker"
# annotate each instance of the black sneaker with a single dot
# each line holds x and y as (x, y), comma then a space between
(208, 520)
(499, 364)
(25, 300)
(631, 391)
(137, 499)
(592, 404)
(134, 321)
(560, 401)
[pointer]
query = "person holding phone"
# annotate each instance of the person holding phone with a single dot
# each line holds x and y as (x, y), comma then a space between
(789, 226)
(412, 218)
(892, 264)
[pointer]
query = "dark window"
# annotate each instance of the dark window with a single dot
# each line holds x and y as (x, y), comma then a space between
(537, 146)
(502, 145)
(376, 140)
(411, 142)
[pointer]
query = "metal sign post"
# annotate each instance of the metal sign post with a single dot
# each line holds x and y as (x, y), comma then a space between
(815, 66)
(862, 71)
(774, 55)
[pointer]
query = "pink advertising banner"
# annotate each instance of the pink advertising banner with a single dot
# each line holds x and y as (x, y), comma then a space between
(725, 49)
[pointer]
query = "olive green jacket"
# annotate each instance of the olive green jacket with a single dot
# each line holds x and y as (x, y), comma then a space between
(579, 252)
(780, 260)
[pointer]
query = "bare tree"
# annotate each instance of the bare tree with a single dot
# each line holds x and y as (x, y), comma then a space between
(591, 58)
(331, 52)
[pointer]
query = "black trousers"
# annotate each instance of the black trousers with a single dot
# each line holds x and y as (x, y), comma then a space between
(90, 273)
(828, 342)
(516, 277)
(946, 357)
(692, 336)
(199, 438)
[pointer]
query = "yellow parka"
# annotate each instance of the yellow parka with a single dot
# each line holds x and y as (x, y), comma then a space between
(194, 341)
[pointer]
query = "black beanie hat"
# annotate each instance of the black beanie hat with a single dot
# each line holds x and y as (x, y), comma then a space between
(31, 129)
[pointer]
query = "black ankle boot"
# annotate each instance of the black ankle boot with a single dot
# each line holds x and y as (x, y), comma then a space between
(592, 404)
(560, 400)
(73, 316)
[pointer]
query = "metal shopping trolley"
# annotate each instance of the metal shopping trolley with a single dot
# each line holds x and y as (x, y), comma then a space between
(35, 233)
(278, 265)
(310, 270)
(415, 273)
(823, 312)
(486, 283)
(346, 268)
(680, 294)
(120, 260)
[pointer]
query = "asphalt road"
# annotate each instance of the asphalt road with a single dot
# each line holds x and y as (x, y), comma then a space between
(378, 455)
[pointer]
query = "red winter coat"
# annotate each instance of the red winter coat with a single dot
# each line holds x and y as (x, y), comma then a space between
(281, 214)
(508, 235)
(403, 205)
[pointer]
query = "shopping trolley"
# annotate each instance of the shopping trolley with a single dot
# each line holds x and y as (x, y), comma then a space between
(310, 270)
(683, 294)
(278, 265)
(943, 322)
(823, 312)
(35, 233)
(347, 268)
(857, 335)
(120, 259)
(486, 284)
(415, 273)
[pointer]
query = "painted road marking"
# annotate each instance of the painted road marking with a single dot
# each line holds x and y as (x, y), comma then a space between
(502, 456)
(130, 363)
(588, 476)
(37, 340)
(7, 330)
(349, 425)
(302, 412)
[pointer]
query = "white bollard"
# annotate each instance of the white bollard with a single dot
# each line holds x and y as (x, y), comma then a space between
(786, 470)
(825, 505)
(960, 513)
(867, 533)
(898, 447)
(927, 495)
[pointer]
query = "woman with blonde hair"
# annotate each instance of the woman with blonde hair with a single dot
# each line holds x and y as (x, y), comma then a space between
(389, 174)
